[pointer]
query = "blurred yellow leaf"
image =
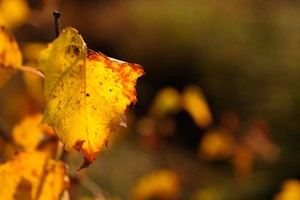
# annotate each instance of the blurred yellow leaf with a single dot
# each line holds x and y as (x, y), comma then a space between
(32, 175)
(29, 132)
(206, 194)
(162, 184)
(13, 12)
(34, 85)
(195, 104)
(87, 93)
(290, 190)
(166, 101)
(217, 144)
(10, 55)
(31, 51)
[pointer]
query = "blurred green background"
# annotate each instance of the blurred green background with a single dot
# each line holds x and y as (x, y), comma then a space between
(242, 55)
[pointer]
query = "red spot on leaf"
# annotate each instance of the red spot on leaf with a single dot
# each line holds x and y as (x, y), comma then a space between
(78, 145)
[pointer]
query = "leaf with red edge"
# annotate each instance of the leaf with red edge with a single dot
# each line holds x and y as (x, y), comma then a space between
(87, 93)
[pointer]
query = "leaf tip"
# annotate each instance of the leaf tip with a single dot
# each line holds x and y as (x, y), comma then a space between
(106, 143)
(85, 164)
(87, 161)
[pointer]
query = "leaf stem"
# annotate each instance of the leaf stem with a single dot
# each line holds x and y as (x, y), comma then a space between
(32, 70)
(95, 189)
(56, 16)
(59, 150)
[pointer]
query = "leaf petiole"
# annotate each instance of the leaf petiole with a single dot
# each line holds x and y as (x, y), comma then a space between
(56, 16)
(32, 70)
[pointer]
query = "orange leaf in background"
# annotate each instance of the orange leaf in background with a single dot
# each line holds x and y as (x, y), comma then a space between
(206, 194)
(166, 101)
(87, 93)
(13, 12)
(217, 144)
(162, 184)
(290, 190)
(195, 104)
(10, 55)
(243, 160)
(32, 50)
(29, 132)
(34, 84)
(32, 175)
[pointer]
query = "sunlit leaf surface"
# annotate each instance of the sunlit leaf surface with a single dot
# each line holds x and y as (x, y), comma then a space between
(13, 12)
(87, 93)
(30, 132)
(290, 190)
(32, 175)
(161, 184)
(195, 104)
(167, 101)
(10, 55)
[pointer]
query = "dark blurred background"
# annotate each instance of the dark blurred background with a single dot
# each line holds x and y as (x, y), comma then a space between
(218, 116)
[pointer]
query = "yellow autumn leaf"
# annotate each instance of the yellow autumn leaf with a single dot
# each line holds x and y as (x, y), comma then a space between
(166, 101)
(195, 104)
(87, 93)
(32, 50)
(10, 55)
(216, 144)
(29, 132)
(32, 175)
(290, 190)
(206, 194)
(13, 12)
(34, 86)
(161, 184)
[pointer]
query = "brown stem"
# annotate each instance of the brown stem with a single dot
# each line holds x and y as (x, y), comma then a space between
(32, 70)
(56, 16)
(59, 151)
(95, 189)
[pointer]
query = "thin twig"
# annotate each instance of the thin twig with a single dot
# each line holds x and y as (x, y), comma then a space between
(59, 150)
(56, 16)
(32, 70)
(95, 189)
(42, 179)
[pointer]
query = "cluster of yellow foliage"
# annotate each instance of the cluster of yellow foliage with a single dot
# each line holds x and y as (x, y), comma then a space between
(290, 190)
(33, 175)
(13, 13)
(86, 96)
(162, 184)
(169, 101)
(10, 55)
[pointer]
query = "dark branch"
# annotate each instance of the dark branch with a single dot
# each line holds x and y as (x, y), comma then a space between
(56, 16)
